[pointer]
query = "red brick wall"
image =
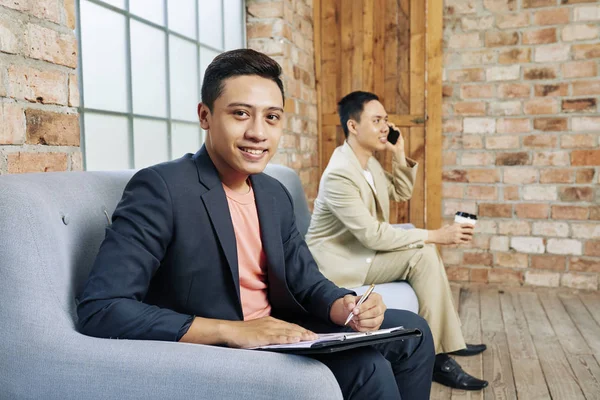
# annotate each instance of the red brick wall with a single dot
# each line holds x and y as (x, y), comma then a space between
(39, 126)
(521, 139)
(284, 30)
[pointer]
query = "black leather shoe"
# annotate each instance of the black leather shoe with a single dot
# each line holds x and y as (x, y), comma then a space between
(451, 374)
(470, 350)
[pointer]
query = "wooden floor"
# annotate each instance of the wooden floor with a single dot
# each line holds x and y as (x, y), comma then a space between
(542, 343)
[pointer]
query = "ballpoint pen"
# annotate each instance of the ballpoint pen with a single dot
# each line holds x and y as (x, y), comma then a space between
(362, 299)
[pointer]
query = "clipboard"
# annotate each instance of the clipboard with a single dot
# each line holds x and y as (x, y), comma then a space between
(335, 342)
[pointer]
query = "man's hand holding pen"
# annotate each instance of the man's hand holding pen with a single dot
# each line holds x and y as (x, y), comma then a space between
(367, 316)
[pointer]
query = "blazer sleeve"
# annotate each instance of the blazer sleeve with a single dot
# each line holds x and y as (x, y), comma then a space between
(307, 284)
(343, 199)
(111, 304)
(402, 181)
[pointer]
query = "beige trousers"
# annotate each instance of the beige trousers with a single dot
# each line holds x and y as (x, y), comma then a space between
(424, 270)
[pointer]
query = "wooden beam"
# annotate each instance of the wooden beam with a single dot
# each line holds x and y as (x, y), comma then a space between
(398, 120)
(318, 84)
(367, 54)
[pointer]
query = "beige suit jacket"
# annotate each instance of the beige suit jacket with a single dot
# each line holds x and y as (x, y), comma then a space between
(350, 221)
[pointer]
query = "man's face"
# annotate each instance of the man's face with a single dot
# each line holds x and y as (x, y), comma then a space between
(371, 132)
(245, 126)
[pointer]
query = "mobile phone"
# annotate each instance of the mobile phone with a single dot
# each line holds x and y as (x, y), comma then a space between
(393, 135)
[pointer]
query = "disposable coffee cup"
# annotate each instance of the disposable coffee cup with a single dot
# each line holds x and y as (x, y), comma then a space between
(465, 218)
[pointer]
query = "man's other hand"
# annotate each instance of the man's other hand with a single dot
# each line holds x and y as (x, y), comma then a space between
(264, 331)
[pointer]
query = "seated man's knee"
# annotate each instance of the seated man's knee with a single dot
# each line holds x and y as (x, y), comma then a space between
(411, 320)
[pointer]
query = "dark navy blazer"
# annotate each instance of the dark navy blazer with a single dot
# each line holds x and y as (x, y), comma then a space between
(171, 253)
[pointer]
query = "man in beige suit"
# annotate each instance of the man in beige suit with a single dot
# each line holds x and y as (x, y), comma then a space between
(354, 244)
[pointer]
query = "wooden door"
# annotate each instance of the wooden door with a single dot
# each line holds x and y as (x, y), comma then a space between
(394, 49)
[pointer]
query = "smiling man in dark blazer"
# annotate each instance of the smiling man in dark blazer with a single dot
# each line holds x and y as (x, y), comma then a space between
(204, 249)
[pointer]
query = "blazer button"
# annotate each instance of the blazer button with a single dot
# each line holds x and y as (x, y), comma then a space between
(369, 260)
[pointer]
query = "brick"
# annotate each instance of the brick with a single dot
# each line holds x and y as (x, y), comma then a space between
(482, 176)
(577, 1)
(477, 57)
(554, 175)
(520, 176)
(271, 47)
(467, 75)
(536, 73)
(592, 248)
(579, 281)
(477, 259)
(583, 264)
(449, 158)
(450, 191)
(551, 158)
(478, 192)
(554, 16)
(556, 229)
(452, 206)
(514, 228)
(472, 142)
(11, 32)
(505, 108)
(541, 106)
(579, 69)
(49, 45)
(507, 21)
(459, 7)
(495, 210)
(540, 193)
(477, 23)
(272, 9)
(477, 159)
(576, 193)
(34, 85)
(542, 278)
(455, 175)
(586, 87)
(574, 32)
(73, 91)
(513, 125)
(514, 90)
(465, 40)
(579, 105)
(552, 263)
(500, 5)
(49, 128)
(479, 275)
(479, 125)
(540, 141)
(70, 13)
(452, 126)
(23, 162)
(502, 142)
(503, 73)
(538, 3)
(76, 161)
(512, 56)
(486, 226)
(587, 13)
(584, 175)
(585, 157)
(540, 36)
(585, 123)
(564, 246)
(505, 276)
(457, 274)
(477, 91)
(551, 90)
(259, 29)
(550, 124)
(469, 108)
(551, 53)
(583, 51)
(532, 211)
(511, 260)
(511, 193)
(447, 91)
(451, 256)
(595, 213)
(523, 244)
(577, 140)
(508, 159)
(499, 243)
(496, 39)
(12, 128)
(586, 231)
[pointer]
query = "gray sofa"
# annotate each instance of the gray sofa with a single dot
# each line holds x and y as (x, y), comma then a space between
(51, 226)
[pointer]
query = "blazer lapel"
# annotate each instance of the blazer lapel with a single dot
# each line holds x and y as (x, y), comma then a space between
(215, 201)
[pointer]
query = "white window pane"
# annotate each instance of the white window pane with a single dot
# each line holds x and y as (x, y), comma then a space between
(149, 142)
(148, 70)
(152, 10)
(116, 3)
(206, 56)
(210, 25)
(103, 54)
(185, 138)
(106, 142)
(234, 24)
(183, 70)
(182, 17)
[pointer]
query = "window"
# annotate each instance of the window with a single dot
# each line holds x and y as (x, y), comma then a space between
(141, 64)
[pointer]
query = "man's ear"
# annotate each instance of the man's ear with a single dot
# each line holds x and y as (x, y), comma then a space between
(203, 113)
(351, 125)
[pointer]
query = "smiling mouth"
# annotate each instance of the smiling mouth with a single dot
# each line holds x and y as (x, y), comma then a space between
(255, 152)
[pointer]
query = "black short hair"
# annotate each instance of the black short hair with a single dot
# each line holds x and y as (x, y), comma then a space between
(236, 63)
(352, 106)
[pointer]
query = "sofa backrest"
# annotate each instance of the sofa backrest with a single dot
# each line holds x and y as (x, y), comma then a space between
(51, 227)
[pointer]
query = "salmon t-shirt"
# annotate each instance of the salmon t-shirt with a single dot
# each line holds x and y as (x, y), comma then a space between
(252, 261)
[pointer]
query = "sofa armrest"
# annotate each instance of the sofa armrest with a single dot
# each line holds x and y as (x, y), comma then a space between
(81, 367)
